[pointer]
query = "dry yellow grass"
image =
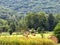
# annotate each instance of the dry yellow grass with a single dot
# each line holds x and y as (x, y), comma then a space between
(22, 40)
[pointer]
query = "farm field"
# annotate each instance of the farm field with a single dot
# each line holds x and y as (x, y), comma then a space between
(21, 37)
(18, 35)
(29, 22)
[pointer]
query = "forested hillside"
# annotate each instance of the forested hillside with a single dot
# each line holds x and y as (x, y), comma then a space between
(20, 14)
(29, 22)
(24, 6)
(6, 13)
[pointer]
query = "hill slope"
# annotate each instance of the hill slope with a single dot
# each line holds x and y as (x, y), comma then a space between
(6, 13)
(24, 6)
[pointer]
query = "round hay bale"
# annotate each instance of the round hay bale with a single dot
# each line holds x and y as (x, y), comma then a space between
(53, 38)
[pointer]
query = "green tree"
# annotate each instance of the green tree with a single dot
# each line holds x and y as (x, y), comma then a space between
(42, 21)
(22, 25)
(57, 31)
(38, 30)
(30, 20)
(51, 22)
(13, 26)
(13, 23)
(57, 17)
(35, 20)
(4, 25)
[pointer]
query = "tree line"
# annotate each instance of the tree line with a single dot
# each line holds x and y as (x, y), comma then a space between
(38, 21)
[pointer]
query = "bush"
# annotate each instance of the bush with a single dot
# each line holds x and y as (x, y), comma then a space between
(32, 30)
(14, 40)
(57, 31)
(10, 31)
(38, 29)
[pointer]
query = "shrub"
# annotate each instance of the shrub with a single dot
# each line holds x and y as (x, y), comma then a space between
(57, 31)
(10, 31)
(14, 40)
(38, 29)
(32, 30)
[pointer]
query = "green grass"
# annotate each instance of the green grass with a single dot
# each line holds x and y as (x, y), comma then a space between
(14, 34)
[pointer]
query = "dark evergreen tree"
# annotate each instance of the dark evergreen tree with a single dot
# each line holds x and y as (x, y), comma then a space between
(51, 22)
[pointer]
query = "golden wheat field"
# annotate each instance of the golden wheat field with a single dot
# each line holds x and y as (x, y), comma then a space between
(22, 40)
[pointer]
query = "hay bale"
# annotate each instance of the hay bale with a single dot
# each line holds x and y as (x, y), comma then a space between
(53, 38)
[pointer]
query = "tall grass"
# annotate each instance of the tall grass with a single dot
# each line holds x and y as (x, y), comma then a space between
(14, 40)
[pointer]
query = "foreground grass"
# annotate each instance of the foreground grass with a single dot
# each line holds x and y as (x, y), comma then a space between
(31, 40)
(58, 44)
(22, 40)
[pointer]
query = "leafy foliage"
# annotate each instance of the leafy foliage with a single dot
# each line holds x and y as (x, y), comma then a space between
(18, 22)
(57, 31)
(51, 21)
(35, 20)
(4, 25)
